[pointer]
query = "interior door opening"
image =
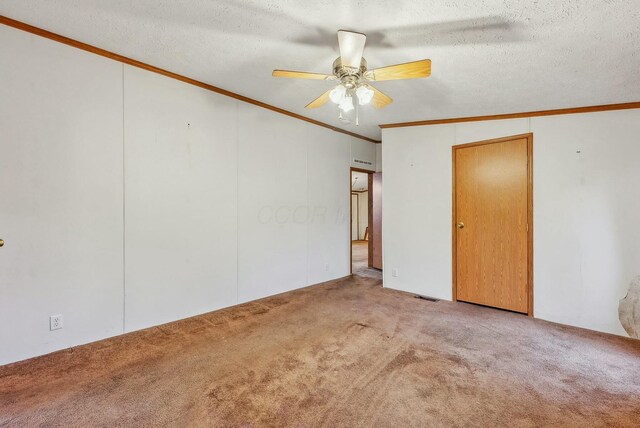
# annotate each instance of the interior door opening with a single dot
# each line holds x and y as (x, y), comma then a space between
(365, 230)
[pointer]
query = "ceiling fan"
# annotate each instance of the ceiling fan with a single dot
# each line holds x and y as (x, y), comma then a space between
(350, 69)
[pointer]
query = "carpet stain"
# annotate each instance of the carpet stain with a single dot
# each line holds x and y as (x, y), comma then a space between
(347, 353)
(403, 359)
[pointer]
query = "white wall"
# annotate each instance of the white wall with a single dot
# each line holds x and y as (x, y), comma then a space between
(180, 200)
(130, 199)
(363, 155)
(60, 196)
(586, 245)
(359, 215)
(355, 206)
(329, 247)
(363, 213)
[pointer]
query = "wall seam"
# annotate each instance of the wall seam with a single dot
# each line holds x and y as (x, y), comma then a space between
(384, 248)
(237, 203)
(349, 210)
(453, 242)
(306, 171)
(124, 287)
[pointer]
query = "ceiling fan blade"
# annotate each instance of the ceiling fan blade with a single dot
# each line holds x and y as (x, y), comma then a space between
(351, 47)
(409, 70)
(320, 101)
(302, 75)
(379, 99)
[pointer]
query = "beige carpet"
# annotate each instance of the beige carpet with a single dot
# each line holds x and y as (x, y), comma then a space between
(360, 261)
(343, 354)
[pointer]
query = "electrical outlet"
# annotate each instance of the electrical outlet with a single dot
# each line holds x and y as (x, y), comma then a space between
(326, 267)
(55, 322)
(394, 272)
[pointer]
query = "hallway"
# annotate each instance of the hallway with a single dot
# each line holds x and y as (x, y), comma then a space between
(360, 260)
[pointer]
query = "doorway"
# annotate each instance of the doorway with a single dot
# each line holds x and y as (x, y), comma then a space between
(360, 220)
(493, 223)
(365, 230)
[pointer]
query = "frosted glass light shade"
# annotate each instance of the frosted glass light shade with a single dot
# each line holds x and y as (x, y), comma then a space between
(346, 104)
(364, 95)
(337, 94)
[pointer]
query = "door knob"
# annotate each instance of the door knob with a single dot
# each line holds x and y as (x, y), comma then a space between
(1, 242)
(460, 225)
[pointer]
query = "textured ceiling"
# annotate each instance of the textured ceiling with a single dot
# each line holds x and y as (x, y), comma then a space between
(489, 56)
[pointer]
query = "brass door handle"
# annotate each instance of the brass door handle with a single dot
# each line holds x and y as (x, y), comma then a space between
(460, 225)
(1, 242)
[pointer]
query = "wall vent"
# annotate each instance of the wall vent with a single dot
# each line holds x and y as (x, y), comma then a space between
(362, 162)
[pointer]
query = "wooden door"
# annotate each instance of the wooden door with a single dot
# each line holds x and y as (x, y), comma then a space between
(492, 223)
(376, 220)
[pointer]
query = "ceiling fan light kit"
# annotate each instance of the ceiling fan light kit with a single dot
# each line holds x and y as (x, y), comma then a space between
(364, 94)
(337, 94)
(346, 104)
(350, 69)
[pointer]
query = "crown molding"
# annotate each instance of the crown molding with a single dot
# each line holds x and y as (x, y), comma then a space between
(574, 110)
(135, 63)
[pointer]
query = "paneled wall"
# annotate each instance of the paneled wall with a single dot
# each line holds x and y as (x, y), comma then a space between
(180, 200)
(61, 196)
(586, 206)
(129, 199)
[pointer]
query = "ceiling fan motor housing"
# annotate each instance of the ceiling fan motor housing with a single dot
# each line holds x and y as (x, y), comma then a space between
(350, 77)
